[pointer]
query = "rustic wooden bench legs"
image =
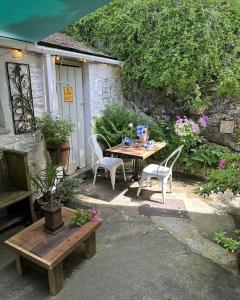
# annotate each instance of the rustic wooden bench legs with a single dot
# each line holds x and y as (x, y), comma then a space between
(55, 279)
(55, 275)
(90, 246)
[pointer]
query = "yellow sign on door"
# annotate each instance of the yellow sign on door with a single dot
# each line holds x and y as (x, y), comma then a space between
(68, 94)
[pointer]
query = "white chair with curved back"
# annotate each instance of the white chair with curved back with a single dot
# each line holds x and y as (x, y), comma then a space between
(108, 163)
(161, 172)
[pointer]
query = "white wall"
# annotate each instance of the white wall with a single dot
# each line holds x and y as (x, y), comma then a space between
(101, 87)
(26, 142)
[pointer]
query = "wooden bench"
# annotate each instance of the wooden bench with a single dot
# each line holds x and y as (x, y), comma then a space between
(48, 251)
(16, 201)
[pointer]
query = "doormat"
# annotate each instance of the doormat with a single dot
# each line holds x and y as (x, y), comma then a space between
(171, 208)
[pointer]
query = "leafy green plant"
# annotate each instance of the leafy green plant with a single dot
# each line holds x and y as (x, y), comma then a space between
(82, 216)
(54, 129)
(114, 123)
(230, 244)
(66, 190)
(44, 180)
(145, 35)
(225, 177)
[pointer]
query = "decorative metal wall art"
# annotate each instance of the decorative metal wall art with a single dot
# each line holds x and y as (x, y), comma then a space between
(20, 90)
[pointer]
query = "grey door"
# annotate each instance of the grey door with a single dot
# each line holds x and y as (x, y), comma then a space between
(69, 76)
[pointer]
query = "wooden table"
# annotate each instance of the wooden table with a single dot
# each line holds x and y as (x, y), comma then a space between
(48, 251)
(138, 154)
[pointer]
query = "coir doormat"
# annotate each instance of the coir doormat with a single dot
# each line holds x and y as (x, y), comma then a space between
(171, 208)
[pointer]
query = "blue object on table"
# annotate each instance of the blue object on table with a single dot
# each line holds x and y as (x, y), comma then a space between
(127, 141)
(149, 144)
(140, 130)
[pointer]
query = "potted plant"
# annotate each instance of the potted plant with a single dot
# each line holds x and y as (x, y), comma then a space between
(56, 133)
(44, 181)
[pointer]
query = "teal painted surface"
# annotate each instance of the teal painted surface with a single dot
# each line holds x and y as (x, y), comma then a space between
(33, 20)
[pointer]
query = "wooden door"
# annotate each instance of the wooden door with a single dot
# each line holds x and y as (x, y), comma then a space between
(71, 77)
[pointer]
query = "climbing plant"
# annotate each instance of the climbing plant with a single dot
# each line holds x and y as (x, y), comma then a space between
(188, 50)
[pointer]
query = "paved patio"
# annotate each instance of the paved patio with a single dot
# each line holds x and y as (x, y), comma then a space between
(138, 256)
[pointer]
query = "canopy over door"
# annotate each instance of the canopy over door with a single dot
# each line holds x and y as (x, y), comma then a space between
(33, 20)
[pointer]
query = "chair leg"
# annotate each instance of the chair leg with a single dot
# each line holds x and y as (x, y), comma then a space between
(124, 174)
(140, 185)
(170, 183)
(113, 176)
(148, 180)
(164, 189)
(95, 176)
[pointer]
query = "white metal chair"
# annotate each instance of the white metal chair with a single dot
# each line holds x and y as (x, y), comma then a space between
(108, 163)
(162, 172)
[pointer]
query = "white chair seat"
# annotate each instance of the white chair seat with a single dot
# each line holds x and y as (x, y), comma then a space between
(162, 172)
(156, 170)
(109, 161)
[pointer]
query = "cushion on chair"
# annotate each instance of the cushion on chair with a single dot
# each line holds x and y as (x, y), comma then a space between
(156, 170)
(109, 161)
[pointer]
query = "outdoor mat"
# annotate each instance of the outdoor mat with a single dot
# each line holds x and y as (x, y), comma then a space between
(171, 208)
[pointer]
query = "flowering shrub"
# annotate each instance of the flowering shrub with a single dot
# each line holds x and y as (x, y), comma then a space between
(188, 131)
(226, 177)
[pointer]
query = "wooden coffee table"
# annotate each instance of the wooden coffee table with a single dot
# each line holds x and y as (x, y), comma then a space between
(48, 251)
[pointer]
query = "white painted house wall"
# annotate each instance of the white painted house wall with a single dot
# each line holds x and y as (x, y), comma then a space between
(101, 86)
(28, 142)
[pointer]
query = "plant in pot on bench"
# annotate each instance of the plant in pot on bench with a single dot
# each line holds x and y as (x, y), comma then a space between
(56, 133)
(44, 181)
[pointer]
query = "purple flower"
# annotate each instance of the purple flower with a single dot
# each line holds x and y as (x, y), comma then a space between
(179, 121)
(223, 164)
(195, 128)
(95, 214)
(203, 121)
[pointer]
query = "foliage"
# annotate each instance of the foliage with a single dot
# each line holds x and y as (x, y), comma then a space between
(185, 49)
(228, 243)
(44, 180)
(82, 216)
(54, 129)
(224, 178)
(66, 190)
(196, 154)
(114, 123)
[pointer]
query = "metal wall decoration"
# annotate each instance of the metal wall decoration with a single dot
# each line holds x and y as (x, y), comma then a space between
(20, 90)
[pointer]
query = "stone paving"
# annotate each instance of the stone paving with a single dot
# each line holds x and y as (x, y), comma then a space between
(138, 257)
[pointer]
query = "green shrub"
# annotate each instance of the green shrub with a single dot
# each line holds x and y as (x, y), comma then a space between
(186, 49)
(224, 178)
(67, 189)
(113, 124)
(228, 243)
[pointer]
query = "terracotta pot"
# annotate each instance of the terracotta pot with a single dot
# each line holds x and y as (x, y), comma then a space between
(59, 153)
(53, 217)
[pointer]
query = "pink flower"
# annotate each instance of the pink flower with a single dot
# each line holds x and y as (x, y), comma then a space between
(223, 164)
(95, 214)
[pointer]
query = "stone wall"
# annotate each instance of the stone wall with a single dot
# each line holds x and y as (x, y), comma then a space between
(29, 142)
(221, 110)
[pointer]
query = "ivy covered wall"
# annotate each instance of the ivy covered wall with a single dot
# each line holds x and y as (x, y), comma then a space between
(180, 56)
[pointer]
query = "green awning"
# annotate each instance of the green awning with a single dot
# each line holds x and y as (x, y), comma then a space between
(33, 20)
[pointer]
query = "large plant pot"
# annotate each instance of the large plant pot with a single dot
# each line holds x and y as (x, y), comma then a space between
(59, 153)
(53, 217)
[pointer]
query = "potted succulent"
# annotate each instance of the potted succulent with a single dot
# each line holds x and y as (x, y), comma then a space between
(44, 181)
(56, 133)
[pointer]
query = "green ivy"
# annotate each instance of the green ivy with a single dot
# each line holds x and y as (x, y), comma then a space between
(186, 49)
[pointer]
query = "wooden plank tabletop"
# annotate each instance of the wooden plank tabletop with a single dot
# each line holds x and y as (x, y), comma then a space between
(135, 152)
(48, 250)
